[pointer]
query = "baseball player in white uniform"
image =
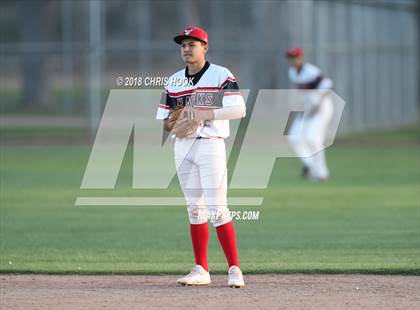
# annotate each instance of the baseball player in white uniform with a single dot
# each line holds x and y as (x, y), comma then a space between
(200, 156)
(307, 135)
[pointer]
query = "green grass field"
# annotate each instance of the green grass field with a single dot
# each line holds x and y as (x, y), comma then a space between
(366, 219)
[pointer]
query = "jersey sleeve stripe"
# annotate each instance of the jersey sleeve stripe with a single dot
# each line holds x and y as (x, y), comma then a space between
(181, 93)
(313, 84)
(229, 79)
(208, 88)
(164, 107)
(230, 83)
(233, 93)
(230, 86)
(191, 91)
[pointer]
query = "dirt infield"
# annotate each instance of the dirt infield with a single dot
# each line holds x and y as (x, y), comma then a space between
(161, 292)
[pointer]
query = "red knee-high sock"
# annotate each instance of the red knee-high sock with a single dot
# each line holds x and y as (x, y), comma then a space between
(227, 239)
(200, 241)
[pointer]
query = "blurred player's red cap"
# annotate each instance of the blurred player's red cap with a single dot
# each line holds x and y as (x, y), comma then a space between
(294, 52)
(193, 32)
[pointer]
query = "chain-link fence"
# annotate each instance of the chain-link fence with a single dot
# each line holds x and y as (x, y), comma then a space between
(62, 57)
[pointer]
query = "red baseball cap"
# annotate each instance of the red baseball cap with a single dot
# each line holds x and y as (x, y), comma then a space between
(193, 32)
(294, 52)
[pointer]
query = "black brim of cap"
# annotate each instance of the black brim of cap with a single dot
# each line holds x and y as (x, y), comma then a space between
(178, 39)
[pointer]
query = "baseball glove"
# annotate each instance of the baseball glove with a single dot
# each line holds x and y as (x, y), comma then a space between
(181, 122)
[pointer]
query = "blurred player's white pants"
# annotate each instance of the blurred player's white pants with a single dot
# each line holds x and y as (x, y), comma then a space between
(202, 174)
(307, 136)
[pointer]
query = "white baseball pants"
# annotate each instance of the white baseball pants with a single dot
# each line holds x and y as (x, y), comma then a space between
(202, 174)
(307, 137)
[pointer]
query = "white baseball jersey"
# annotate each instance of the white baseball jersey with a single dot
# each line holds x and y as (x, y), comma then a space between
(309, 77)
(213, 87)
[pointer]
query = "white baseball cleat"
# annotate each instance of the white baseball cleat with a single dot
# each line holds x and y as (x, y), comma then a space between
(235, 277)
(197, 276)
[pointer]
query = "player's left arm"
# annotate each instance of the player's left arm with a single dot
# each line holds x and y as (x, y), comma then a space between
(233, 105)
(316, 97)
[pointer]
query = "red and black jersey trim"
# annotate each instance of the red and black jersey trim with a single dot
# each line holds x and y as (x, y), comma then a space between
(229, 87)
(310, 85)
(165, 101)
(191, 91)
(229, 83)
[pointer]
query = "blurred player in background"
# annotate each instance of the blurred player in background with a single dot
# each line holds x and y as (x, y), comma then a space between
(307, 132)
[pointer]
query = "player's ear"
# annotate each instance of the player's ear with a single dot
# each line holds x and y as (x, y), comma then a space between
(206, 48)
